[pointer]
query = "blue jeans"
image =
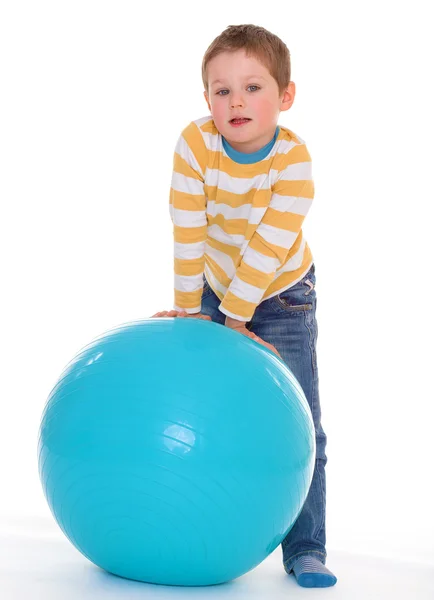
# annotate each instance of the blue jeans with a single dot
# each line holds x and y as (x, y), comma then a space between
(288, 322)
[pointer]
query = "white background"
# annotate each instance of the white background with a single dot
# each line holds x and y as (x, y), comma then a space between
(93, 98)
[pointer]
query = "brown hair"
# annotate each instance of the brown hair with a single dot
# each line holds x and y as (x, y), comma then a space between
(266, 47)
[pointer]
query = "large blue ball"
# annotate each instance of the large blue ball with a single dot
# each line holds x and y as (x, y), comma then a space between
(176, 451)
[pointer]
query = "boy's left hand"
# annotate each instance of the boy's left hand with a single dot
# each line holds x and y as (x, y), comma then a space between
(240, 326)
(181, 313)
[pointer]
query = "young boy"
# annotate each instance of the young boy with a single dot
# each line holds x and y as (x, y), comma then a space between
(241, 188)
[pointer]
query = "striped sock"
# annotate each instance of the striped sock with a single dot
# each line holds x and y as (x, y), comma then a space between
(310, 572)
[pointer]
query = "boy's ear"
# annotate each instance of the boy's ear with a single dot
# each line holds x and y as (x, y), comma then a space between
(288, 97)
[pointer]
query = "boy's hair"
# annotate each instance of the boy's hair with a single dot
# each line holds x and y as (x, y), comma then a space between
(266, 47)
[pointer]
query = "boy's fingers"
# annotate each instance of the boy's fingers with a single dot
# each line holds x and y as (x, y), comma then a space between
(198, 316)
(255, 337)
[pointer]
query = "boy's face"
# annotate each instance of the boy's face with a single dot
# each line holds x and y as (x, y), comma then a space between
(245, 88)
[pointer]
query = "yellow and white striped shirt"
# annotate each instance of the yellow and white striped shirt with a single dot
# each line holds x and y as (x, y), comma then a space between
(239, 224)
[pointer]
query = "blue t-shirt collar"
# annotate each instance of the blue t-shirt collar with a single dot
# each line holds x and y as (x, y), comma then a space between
(249, 157)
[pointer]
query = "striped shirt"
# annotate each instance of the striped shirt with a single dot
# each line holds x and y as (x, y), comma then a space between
(237, 218)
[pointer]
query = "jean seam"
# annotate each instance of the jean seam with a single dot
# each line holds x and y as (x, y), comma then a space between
(312, 345)
(314, 401)
(322, 524)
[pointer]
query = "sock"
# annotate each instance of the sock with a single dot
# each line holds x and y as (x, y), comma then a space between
(310, 572)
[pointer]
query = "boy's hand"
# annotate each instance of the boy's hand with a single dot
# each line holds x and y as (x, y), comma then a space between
(181, 313)
(240, 326)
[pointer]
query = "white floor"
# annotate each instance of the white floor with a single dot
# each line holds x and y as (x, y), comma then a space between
(37, 561)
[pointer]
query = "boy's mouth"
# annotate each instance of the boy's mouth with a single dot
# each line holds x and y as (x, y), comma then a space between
(237, 122)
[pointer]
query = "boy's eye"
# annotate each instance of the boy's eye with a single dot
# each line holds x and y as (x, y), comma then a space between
(250, 86)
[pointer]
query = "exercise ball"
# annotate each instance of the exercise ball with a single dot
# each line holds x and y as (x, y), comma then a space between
(176, 451)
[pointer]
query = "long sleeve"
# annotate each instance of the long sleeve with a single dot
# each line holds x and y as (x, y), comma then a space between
(188, 214)
(274, 237)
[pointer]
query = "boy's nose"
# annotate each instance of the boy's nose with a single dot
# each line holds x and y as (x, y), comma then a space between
(235, 101)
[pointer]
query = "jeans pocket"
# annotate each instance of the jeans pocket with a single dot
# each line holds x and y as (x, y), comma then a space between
(291, 305)
(301, 296)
